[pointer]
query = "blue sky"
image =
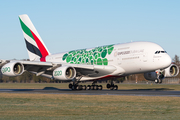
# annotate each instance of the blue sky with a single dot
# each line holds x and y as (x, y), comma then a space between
(77, 24)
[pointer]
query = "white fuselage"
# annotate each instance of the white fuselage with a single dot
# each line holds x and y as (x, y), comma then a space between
(132, 58)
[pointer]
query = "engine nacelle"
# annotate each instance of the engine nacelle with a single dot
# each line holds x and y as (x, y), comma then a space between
(150, 76)
(171, 71)
(64, 73)
(12, 69)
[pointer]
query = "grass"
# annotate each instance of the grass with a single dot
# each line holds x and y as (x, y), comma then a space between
(20, 106)
(105, 107)
(175, 87)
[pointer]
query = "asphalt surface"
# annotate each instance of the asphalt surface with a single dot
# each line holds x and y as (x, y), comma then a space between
(134, 92)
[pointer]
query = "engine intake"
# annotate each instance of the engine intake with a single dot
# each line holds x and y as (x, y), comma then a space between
(18, 68)
(171, 71)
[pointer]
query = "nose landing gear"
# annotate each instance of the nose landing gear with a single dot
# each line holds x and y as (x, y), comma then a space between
(159, 78)
(158, 81)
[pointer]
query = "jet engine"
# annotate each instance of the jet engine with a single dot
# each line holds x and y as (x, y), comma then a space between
(158, 75)
(64, 73)
(171, 71)
(12, 69)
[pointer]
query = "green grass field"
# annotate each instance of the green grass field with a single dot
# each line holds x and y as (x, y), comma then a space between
(20, 106)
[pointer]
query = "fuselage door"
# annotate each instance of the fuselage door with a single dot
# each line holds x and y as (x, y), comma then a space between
(145, 57)
(117, 57)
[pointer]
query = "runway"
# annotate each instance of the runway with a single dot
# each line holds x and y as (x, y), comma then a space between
(132, 92)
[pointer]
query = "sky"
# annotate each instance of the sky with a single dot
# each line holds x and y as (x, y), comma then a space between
(66, 25)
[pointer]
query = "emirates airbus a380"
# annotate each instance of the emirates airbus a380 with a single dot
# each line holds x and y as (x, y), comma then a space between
(99, 63)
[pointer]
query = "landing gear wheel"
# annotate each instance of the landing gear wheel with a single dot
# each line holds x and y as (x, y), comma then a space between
(74, 87)
(84, 87)
(77, 87)
(70, 86)
(100, 87)
(96, 87)
(108, 85)
(80, 87)
(88, 87)
(157, 81)
(112, 87)
(115, 87)
(92, 87)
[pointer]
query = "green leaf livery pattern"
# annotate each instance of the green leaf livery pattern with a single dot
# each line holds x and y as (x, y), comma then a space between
(96, 56)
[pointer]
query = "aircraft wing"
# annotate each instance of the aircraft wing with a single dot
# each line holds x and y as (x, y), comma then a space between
(40, 68)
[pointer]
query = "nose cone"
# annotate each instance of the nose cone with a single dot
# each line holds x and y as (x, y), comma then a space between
(166, 62)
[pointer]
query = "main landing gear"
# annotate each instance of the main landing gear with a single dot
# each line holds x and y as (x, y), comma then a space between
(85, 87)
(75, 86)
(92, 87)
(112, 86)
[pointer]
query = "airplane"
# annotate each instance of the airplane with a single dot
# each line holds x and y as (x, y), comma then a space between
(94, 64)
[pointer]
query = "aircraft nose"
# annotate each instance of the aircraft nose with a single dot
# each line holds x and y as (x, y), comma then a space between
(167, 61)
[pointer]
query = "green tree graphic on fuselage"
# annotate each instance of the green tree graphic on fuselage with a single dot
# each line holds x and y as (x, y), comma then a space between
(95, 56)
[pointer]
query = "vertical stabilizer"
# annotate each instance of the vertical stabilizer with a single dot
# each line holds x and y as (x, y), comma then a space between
(35, 46)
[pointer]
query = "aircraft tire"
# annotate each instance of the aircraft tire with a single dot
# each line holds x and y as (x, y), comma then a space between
(100, 87)
(92, 87)
(112, 87)
(96, 87)
(108, 85)
(84, 87)
(80, 87)
(70, 86)
(74, 87)
(115, 87)
(88, 87)
(77, 87)
(156, 81)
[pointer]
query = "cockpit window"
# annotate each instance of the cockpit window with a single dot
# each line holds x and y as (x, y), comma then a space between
(163, 52)
(157, 52)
